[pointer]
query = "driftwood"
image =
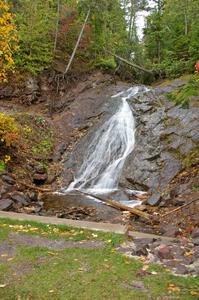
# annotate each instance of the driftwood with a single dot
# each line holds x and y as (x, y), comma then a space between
(128, 62)
(179, 208)
(119, 206)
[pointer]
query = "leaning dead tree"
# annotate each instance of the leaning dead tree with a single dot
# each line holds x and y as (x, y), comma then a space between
(78, 42)
(128, 62)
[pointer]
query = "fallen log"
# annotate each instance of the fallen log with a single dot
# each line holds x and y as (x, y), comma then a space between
(119, 206)
(179, 208)
(128, 62)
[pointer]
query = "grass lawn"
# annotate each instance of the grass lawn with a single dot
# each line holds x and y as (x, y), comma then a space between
(38, 272)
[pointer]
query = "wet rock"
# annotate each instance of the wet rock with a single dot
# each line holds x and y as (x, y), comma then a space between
(5, 204)
(170, 230)
(195, 233)
(154, 199)
(8, 179)
(164, 252)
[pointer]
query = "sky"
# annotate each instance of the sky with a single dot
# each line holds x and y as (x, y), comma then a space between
(140, 22)
(141, 19)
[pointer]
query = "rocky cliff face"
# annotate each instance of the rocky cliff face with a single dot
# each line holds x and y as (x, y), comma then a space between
(167, 140)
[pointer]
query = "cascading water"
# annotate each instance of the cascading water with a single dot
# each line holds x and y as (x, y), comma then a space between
(106, 155)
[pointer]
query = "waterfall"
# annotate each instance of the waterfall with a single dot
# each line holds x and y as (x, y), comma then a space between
(107, 152)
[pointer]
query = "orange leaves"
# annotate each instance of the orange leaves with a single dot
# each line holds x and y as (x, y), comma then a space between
(8, 41)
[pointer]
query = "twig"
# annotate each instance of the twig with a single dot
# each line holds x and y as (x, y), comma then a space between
(120, 206)
(179, 208)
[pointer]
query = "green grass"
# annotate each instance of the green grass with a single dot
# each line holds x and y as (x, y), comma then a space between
(70, 274)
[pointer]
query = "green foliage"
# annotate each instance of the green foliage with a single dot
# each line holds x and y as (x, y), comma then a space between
(171, 37)
(43, 148)
(35, 22)
(182, 95)
(2, 166)
(106, 63)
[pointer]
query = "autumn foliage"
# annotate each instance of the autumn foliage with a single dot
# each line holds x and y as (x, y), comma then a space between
(8, 41)
(9, 131)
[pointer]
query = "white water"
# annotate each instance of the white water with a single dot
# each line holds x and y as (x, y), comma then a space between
(106, 155)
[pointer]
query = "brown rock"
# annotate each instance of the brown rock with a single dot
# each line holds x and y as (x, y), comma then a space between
(164, 252)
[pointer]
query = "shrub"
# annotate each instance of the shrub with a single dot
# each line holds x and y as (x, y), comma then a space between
(9, 131)
(183, 95)
(106, 63)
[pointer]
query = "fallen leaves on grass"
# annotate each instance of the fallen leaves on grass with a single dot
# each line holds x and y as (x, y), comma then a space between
(173, 288)
(27, 228)
(193, 293)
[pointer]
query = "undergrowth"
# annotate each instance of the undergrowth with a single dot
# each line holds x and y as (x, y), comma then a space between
(183, 95)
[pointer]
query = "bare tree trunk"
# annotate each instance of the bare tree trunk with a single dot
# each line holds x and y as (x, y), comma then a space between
(78, 41)
(57, 24)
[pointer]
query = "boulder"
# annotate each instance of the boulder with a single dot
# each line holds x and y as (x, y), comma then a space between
(19, 198)
(195, 233)
(5, 204)
(8, 179)
(154, 199)
(169, 230)
(164, 251)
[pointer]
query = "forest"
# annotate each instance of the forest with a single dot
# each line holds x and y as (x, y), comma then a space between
(38, 35)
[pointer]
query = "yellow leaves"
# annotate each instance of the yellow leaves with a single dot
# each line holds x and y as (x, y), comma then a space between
(193, 293)
(27, 129)
(188, 253)
(9, 132)
(8, 41)
(7, 158)
(173, 288)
